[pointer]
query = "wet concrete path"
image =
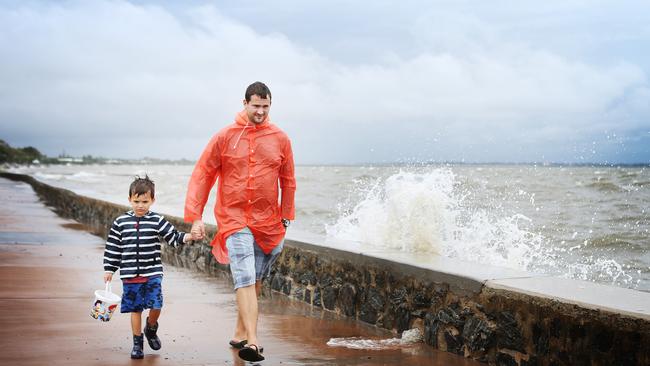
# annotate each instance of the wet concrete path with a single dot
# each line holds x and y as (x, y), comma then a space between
(50, 267)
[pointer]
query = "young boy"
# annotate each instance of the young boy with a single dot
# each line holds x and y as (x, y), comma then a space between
(133, 247)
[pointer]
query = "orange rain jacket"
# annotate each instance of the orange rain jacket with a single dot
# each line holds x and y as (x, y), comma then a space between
(249, 160)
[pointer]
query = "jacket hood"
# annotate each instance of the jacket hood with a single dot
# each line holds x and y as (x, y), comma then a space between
(242, 119)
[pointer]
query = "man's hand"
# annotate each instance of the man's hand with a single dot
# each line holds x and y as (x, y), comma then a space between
(108, 277)
(198, 230)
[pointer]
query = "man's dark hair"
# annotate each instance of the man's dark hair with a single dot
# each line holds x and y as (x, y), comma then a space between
(142, 186)
(257, 88)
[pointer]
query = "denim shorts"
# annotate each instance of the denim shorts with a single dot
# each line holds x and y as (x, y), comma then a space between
(248, 263)
(139, 296)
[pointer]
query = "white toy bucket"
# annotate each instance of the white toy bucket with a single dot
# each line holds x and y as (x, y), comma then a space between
(105, 304)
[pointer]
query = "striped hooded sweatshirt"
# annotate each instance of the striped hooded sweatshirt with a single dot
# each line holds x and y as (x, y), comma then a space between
(133, 244)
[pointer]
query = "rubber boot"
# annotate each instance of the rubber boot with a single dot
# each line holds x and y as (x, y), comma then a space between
(152, 337)
(137, 351)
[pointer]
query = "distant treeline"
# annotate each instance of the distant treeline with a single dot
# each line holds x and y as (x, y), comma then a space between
(22, 155)
(31, 155)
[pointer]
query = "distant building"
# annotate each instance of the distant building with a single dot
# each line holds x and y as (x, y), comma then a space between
(70, 160)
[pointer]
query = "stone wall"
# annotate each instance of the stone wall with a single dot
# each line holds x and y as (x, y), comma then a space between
(494, 326)
(456, 313)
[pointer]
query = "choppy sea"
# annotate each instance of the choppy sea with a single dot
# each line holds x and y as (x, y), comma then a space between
(583, 222)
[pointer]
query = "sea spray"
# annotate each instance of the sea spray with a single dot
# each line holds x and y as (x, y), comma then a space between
(408, 211)
(432, 211)
(428, 212)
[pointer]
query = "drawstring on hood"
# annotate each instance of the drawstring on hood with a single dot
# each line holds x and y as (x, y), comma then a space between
(242, 132)
(242, 120)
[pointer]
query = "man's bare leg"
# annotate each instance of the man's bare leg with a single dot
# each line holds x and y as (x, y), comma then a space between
(247, 306)
(240, 330)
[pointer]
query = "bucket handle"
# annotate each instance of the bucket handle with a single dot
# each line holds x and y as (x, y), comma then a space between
(108, 287)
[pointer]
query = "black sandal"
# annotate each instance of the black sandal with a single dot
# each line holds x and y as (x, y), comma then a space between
(237, 345)
(248, 353)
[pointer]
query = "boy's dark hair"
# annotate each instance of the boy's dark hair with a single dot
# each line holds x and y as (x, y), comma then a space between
(142, 186)
(257, 88)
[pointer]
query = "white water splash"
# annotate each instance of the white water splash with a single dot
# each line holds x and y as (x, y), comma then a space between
(360, 343)
(47, 177)
(427, 212)
(431, 212)
(409, 337)
(408, 211)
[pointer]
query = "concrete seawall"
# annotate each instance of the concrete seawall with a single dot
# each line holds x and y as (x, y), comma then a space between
(490, 314)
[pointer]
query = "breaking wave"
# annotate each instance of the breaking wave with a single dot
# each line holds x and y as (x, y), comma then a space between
(432, 212)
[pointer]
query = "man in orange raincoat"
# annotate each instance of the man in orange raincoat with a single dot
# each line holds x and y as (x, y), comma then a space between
(251, 159)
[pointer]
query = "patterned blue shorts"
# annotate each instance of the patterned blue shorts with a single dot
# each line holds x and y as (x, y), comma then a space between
(248, 263)
(139, 296)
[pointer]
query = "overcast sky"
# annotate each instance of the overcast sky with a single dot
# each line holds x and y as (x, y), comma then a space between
(352, 82)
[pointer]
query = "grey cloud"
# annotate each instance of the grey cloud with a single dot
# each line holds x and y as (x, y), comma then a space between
(447, 85)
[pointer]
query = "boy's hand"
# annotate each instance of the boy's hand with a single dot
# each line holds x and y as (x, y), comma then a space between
(108, 277)
(194, 237)
(198, 230)
(188, 238)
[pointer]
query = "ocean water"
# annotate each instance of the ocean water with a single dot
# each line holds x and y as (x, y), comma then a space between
(589, 223)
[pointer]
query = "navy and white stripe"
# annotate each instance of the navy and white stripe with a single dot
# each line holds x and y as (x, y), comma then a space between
(133, 244)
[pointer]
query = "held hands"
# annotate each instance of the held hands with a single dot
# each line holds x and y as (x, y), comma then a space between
(191, 237)
(108, 277)
(188, 239)
(198, 230)
(196, 236)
